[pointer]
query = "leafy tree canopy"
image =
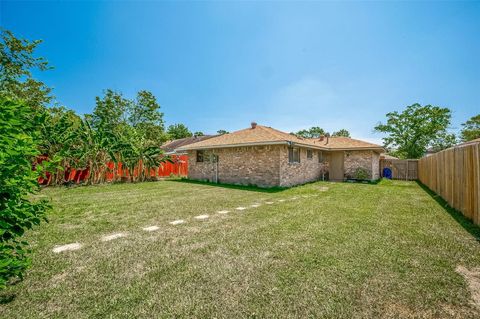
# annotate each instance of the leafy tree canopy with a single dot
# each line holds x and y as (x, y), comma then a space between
(471, 129)
(176, 131)
(17, 60)
(416, 128)
(145, 117)
(110, 111)
(313, 132)
(343, 132)
(221, 132)
(198, 133)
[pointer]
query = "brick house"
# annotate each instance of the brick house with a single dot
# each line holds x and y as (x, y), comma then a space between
(267, 157)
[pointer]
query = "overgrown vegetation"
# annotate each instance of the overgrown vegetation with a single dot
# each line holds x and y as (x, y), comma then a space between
(19, 137)
(119, 130)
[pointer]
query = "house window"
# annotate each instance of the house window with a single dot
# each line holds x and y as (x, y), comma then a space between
(321, 157)
(294, 155)
(200, 156)
(309, 154)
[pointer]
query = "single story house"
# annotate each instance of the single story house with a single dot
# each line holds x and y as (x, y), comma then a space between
(267, 157)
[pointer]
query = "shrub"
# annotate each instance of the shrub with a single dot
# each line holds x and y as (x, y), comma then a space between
(19, 211)
(361, 173)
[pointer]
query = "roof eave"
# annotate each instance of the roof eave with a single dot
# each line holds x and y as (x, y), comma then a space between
(192, 147)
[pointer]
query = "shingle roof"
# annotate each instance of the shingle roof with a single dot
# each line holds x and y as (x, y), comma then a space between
(340, 142)
(171, 146)
(263, 135)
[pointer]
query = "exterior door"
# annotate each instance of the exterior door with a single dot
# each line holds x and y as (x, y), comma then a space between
(336, 166)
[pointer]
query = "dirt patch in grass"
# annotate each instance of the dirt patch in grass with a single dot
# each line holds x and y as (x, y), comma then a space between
(472, 277)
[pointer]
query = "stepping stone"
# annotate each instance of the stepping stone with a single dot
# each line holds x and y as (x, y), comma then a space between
(177, 222)
(151, 228)
(294, 198)
(59, 249)
(240, 208)
(323, 189)
(113, 236)
(201, 217)
(281, 200)
(305, 196)
(255, 205)
(269, 203)
(223, 212)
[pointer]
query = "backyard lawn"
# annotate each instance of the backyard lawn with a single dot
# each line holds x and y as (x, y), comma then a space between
(319, 250)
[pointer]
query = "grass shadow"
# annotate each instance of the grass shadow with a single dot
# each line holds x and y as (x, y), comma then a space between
(232, 186)
(6, 298)
(466, 223)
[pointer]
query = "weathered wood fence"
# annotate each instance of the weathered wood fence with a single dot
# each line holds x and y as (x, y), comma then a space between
(401, 169)
(454, 174)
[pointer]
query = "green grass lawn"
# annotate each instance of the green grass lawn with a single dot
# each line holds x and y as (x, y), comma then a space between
(355, 250)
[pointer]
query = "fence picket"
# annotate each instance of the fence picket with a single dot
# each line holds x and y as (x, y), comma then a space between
(454, 174)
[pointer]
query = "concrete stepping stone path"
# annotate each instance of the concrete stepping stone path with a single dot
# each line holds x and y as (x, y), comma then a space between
(223, 212)
(177, 222)
(151, 228)
(201, 217)
(255, 205)
(269, 203)
(113, 236)
(240, 208)
(59, 249)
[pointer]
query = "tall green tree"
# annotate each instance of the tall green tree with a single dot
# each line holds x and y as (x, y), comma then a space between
(313, 132)
(343, 133)
(19, 210)
(471, 129)
(110, 112)
(145, 117)
(221, 132)
(17, 61)
(416, 128)
(177, 131)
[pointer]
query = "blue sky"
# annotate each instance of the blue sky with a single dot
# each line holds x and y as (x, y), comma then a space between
(289, 65)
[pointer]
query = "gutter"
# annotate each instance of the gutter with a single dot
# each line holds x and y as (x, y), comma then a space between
(289, 143)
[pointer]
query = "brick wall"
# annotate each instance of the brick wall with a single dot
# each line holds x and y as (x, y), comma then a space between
(367, 160)
(268, 166)
(375, 165)
(253, 165)
(307, 170)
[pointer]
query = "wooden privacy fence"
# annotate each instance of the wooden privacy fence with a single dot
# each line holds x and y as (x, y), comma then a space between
(401, 169)
(454, 174)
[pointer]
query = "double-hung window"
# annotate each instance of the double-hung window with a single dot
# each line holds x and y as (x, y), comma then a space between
(309, 154)
(200, 156)
(321, 157)
(293, 155)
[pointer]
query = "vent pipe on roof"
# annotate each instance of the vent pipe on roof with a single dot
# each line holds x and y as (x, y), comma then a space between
(253, 124)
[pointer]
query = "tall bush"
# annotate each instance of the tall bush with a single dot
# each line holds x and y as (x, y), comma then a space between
(19, 210)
